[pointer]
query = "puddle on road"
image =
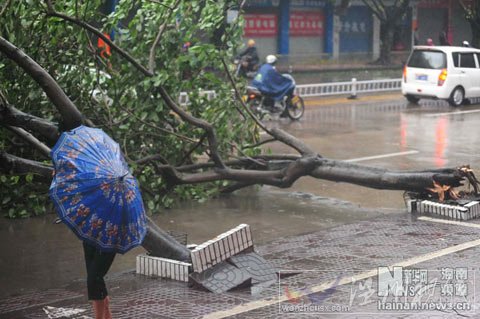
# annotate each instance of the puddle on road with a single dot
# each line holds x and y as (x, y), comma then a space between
(37, 254)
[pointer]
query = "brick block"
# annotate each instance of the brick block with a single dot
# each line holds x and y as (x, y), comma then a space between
(464, 211)
(162, 267)
(222, 247)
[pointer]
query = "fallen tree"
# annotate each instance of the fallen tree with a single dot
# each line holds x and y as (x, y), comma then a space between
(231, 164)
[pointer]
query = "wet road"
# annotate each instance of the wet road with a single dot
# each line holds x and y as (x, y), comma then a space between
(389, 133)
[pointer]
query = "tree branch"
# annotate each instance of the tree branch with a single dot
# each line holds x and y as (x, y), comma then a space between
(69, 112)
(239, 98)
(4, 8)
(151, 59)
(10, 164)
(212, 139)
(379, 178)
(292, 141)
(32, 140)
(9, 115)
(376, 9)
(52, 13)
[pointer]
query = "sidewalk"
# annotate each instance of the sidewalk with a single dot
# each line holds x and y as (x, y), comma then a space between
(337, 272)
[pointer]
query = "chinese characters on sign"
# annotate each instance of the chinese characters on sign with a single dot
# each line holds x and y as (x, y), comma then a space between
(406, 290)
(306, 23)
(260, 25)
(394, 289)
(352, 27)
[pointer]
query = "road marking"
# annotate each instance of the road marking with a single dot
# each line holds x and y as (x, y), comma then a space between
(451, 113)
(54, 312)
(446, 221)
(329, 100)
(345, 280)
(359, 159)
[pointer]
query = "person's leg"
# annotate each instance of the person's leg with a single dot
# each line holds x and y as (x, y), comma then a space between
(89, 253)
(98, 265)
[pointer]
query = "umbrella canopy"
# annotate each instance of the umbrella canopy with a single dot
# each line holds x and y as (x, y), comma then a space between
(94, 192)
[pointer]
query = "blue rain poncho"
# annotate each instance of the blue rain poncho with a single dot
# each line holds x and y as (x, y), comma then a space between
(271, 83)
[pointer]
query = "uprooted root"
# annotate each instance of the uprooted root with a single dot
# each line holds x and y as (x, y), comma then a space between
(448, 192)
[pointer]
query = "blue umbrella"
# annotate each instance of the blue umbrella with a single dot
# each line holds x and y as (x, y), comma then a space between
(94, 192)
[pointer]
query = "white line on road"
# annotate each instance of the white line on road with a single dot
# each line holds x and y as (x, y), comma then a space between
(359, 159)
(345, 280)
(446, 221)
(451, 113)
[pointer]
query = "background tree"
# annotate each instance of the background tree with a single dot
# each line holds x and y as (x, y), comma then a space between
(472, 15)
(390, 13)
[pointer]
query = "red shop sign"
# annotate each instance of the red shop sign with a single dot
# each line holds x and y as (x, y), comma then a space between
(260, 25)
(306, 23)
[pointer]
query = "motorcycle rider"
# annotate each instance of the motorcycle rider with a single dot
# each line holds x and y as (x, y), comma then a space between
(271, 83)
(249, 58)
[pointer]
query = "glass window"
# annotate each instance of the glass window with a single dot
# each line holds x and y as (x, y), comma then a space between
(467, 60)
(427, 59)
(456, 59)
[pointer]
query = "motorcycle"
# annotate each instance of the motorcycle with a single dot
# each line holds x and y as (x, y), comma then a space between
(262, 105)
(243, 68)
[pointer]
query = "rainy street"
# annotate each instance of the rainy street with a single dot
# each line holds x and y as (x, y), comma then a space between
(352, 226)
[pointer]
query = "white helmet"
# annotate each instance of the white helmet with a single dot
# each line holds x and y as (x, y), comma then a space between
(466, 44)
(271, 59)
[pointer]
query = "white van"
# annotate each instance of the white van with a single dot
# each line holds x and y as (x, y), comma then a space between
(442, 72)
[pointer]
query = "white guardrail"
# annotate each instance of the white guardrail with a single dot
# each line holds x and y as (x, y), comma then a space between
(352, 88)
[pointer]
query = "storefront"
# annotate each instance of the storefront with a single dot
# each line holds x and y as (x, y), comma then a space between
(356, 30)
(433, 17)
(307, 27)
(294, 27)
(262, 25)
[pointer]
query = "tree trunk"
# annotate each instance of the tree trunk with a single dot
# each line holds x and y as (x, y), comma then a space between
(475, 26)
(160, 244)
(386, 38)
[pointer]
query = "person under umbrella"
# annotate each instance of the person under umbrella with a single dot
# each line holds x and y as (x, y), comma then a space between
(97, 197)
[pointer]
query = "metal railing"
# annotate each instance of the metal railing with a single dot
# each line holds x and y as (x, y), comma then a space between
(183, 98)
(352, 88)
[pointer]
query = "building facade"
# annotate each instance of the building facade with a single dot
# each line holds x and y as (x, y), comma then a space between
(303, 28)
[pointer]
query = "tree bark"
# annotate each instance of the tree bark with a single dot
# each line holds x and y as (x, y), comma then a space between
(9, 115)
(387, 43)
(69, 112)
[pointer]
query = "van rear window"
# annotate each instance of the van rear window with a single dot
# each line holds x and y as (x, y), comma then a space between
(427, 59)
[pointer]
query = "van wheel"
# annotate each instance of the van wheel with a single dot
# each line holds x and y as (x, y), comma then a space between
(457, 97)
(412, 99)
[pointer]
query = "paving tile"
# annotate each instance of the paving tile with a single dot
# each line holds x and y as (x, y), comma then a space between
(256, 266)
(221, 277)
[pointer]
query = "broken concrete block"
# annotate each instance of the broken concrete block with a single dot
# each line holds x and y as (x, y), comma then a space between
(162, 267)
(464, 211)
(221, 248)
(255, 265)
(220, 278)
